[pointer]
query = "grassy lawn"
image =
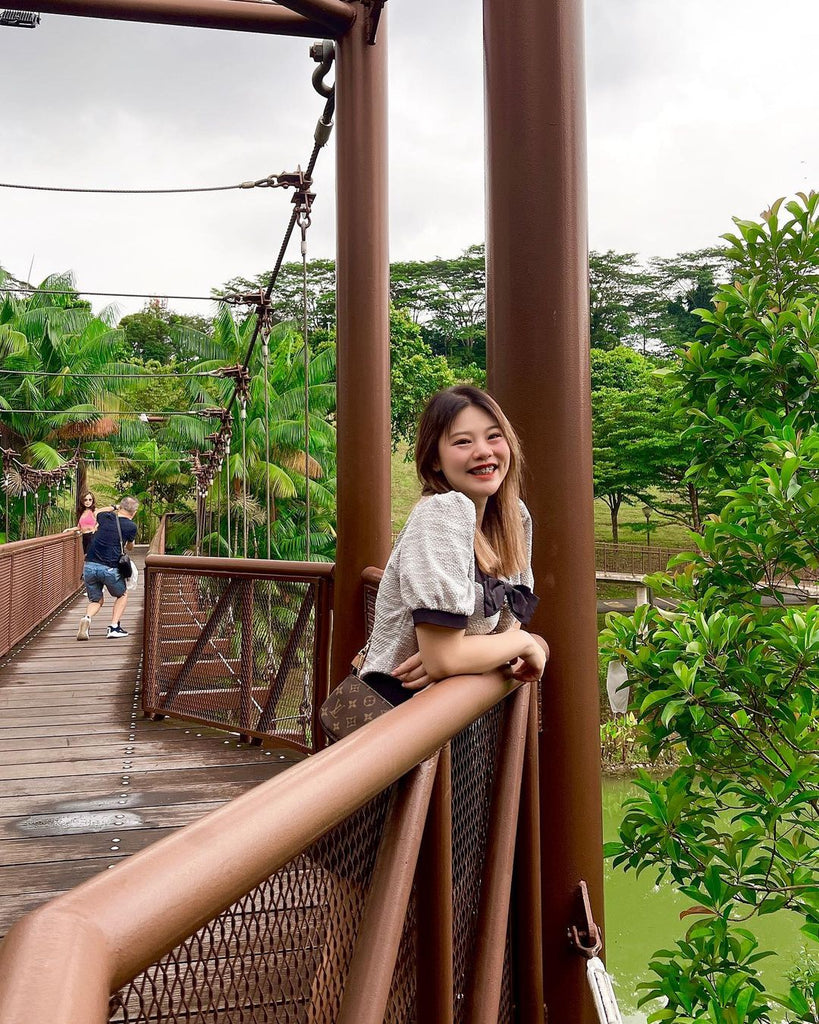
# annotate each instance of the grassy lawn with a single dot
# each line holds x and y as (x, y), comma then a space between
(406, 491)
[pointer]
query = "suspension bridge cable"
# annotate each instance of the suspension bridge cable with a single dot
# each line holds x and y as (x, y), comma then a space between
(321, 140)
(103, 376)
(304, 225)
(33, 290)
(271, 181)
(120, 413)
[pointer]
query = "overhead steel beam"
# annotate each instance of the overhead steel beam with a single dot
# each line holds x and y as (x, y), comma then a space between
(337, 15)
(234, 15)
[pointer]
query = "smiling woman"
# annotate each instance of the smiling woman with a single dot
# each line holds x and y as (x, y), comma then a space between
(458, 584)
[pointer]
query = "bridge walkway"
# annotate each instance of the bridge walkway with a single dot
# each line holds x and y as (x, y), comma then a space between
(85, 780)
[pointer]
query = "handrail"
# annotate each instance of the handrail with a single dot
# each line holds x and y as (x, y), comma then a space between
(157, 543)
(240, 566)
(36, 576)
(59, 964)
(215, 652)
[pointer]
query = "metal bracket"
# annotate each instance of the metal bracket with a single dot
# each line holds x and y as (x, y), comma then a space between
(374, 9)
(587, 939)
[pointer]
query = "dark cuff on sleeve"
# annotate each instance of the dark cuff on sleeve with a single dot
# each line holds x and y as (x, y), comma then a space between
(436, 618)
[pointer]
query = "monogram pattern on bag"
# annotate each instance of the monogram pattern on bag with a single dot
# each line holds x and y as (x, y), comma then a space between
(352, 704)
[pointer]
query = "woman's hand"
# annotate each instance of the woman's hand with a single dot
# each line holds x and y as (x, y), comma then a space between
(412, 673)
(529, 667)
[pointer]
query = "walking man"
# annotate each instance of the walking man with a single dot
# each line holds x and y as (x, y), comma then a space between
(101, 565)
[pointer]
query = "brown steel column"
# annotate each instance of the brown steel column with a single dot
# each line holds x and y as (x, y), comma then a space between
(362, 330)
(537, 351)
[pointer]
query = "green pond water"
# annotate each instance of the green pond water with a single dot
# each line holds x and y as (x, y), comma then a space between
(642, 918)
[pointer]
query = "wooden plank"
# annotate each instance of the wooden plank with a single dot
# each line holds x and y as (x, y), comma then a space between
(101, 792)
(111, 821)
(67, 715)
(114, 765)
(50, 876)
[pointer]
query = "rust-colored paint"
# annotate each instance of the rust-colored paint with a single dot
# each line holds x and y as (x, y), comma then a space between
(367, 988)
(363, 271)
(434, 950)
(36, 577)
(483, 997)
(527, 911)
(236, 15)
(538, 362)
(140, 909)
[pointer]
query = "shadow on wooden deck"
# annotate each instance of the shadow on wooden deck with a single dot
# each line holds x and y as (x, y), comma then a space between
(85, 780)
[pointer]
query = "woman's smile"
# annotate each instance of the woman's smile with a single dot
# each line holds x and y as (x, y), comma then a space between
(474, 455)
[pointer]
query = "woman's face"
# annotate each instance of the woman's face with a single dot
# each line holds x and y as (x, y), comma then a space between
(473, 455)
(88, 500)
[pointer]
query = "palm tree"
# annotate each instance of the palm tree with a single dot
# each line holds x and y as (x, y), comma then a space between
(53, 397)
(268, 444)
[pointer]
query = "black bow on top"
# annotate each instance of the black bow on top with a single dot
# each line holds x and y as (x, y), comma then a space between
(522, 602)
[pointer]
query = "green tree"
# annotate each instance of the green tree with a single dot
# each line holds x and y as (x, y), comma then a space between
(62, 389)
(153, 335)
(624, 447)
(415, 374)
(287, 298)
(281, 418)
(610, 286)
(730, 678)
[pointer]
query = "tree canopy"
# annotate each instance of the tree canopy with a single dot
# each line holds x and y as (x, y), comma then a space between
(729, 679)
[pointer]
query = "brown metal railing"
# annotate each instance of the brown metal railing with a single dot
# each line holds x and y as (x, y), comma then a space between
(300, 901)
(633, 559)
(36, 577)
(157, 544)
(238, 644)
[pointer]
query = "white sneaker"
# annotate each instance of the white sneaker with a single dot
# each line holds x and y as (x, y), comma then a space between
(84, 632)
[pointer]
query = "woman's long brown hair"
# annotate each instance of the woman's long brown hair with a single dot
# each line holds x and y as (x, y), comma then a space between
(500, 543)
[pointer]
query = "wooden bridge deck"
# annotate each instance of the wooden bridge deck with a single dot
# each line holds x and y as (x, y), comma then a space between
(85, 780)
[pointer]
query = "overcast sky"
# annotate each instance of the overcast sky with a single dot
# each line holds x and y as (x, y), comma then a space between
(697, 111)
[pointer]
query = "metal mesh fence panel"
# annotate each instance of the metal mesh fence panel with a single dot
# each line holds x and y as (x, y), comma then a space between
(240, 653)
(36, 576)
(473, 763)
(281, 953)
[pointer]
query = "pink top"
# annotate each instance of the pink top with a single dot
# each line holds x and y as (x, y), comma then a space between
(88, 520)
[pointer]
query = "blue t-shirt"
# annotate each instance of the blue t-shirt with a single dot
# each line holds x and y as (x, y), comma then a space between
(104, 548)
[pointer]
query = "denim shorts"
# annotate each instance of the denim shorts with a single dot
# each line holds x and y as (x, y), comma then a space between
(96, 576)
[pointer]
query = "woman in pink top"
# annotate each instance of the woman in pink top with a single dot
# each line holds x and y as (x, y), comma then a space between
(88, 519)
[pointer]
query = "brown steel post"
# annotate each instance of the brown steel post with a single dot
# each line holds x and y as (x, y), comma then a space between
(150, 640)
(486, 978)
(246, 597)
(367, 987)
(434, 952)
(527, 937)
(362, 285)
(321, 659)
(537, 353)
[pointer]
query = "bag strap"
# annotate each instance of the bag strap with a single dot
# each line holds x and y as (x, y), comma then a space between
(361, 657)
(119, 531)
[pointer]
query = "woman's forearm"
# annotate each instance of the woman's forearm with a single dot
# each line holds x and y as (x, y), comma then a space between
(448, 652)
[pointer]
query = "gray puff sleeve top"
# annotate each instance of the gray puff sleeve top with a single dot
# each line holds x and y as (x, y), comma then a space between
(431, 578)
